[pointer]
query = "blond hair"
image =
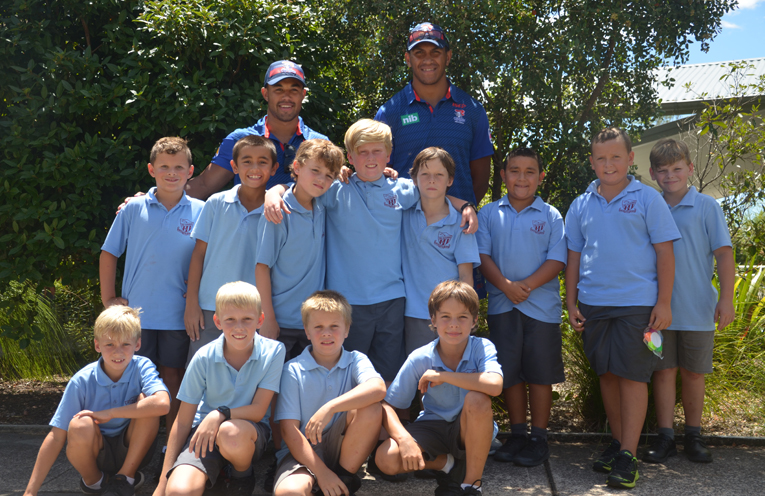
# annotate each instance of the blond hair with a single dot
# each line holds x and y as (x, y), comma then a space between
(171, 145)
(667, 151)
(320, 150)
(239, 294)
(326, 300)
(612, 133)
(433, 153)
(118, 322)
(460, 291)
(366, 131)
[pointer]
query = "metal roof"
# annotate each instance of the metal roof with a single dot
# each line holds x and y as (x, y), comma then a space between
(706, 83)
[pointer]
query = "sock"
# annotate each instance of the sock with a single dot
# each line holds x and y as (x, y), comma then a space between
(97, 485)
(340, 470)
(235, 474)
(131, 480)
(518, 430)
(692, 430)
(667, 431)
(449, 463)
(539, 432)
(463, 486)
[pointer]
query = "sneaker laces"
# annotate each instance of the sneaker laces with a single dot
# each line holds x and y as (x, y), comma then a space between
(623, 463)
(612, 450)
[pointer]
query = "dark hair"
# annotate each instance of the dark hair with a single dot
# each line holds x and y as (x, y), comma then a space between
(432, 153)
(523, 151)
(668, 151)
(612, 133)
(254, 140)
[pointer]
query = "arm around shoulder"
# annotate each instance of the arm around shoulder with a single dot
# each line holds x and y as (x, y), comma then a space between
(210, 181)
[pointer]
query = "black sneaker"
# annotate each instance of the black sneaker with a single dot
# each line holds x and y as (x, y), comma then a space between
(534, 453)
(352, 482)
(696, 449)
(510, 449)
(373, 469)
(661, 449)
(268, 482)
(456, 489)
(139, 479)
(86, 490)
(624, 471)
(119, 486)
(606, 459)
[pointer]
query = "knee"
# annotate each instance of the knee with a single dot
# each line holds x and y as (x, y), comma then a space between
(231, 436)
(81, 429)
(370, 414)
(687, 375)
(290, 487)
(477, 403)
(386, 457)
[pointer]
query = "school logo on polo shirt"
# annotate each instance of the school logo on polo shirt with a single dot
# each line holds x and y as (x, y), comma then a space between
(628, 206)
(185, 227)
(538, 226)
(410, 119)
(444, 240)
(391, 200)
(132, 400)
(459, 116)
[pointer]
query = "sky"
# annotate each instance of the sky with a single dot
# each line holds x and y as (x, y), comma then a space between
(742, 36)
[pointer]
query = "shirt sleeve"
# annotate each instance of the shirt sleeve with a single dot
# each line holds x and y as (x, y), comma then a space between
(363, 370)
(659, 221)
(574, 236)
(717, 228)
(487, 362)
(288, 402)
(403, 388)
(225, 152)
(331, 199)
(272, 379)
(72, 402)
(482, 236)
(271, 238)
(150, 381)
(408, 194)
(203, 226)
(556, 248)
(481, 146)
(194, 381)
(116, 239)
(466, 249)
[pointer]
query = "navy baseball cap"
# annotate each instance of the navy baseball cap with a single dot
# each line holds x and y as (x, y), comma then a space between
(426, 31)
(283, 69)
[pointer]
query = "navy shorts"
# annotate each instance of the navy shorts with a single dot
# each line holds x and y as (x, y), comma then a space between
(207, 335)
(691, 350)
(378, 332)
(166, 348)
(112, 456)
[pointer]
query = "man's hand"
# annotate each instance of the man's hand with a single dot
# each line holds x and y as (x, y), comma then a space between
(115, 301)
(194, 320)
(317, 423)
(203, 439)
(469, 218)
(724, 314)
(429, 378)
(100, 417)
(661, 316)
(270, 329)
(127, 200)
(518, 291)
(273, 207)
(576, 319)
(330, 484)
(411, 456)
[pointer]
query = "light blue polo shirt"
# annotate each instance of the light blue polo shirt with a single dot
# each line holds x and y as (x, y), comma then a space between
(307, 386)
(702, 224)
(618, 260)
(294, 250)
(211, 382)
(431, 254)
(231, 234)
(91, 389)
(364, 237)
(158, 250)
(519, 243)
(443, 402)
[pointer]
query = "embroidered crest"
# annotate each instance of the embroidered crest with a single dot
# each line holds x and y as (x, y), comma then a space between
(444, 240)
(185, 227)
(391, 200)
(459, 116)
(628, 206)
(132, 400)
(538, 226)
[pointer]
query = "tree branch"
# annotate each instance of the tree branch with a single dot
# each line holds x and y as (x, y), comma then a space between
(601, 82)
(87, 31)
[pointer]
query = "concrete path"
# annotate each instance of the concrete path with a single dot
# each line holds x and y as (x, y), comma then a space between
(736, 470)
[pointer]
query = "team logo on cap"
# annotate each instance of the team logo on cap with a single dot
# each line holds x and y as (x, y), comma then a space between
(287, 69)
(538, 226)
(185, 227)
(444, 240)
(391, 200)
(459, 116)
(628, 206)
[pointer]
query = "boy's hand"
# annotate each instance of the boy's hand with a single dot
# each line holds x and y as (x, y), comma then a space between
(661, 316)
(345, 174)
(411, 456)
(518, 291)
(724, 314)
(330, 484)
(469, 217)
(316, 424)
(390, 172)
(576, 319)
(203, 439)
(273, 206)
(115, 301)
(429, 378)
(100, 417)
(127, 200)
(194, 320)
(270, 329)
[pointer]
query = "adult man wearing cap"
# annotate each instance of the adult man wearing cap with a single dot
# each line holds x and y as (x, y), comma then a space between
(284, 90)
(430, 111)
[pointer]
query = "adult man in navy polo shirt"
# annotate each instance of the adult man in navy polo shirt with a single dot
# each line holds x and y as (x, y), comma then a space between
(430, 111)
(284, 90)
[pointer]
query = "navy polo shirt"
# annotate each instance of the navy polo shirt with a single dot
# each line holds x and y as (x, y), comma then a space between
(458, 124)
(224, 154)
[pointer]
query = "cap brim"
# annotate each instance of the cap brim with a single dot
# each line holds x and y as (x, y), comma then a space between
(438, 43)
(276, 79)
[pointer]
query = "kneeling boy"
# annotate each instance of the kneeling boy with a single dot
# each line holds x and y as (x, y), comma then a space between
(457, 375)
(329, 406)
(225, 396)
(109, 414)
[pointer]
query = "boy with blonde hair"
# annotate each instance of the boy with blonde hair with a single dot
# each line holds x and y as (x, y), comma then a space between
(689, 341)
(109, 413)
(225, 397)
(329, 407)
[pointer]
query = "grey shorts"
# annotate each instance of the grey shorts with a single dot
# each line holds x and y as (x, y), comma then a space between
(691, 350)
(417, 333)
(112, 455)
(613, 341)
(166, 348)
(207, 335)
(213, 462)
(528, 350)
(294, 341)
(378, 332)
(437, 437)
(328, 451)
